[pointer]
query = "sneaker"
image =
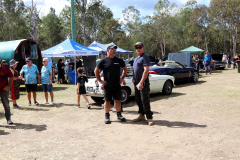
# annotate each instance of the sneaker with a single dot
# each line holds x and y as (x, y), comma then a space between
(150, 122)
(9, 121)
(107, 118)
(206, 73)
(88, 106)
(102, 106)
(114, 109)
(209, 72)
(139, 118)
(16, 106)
(120, 117)
(29, 104)
(51, 103)
(45, 103)
(36, 103)
(77, 106)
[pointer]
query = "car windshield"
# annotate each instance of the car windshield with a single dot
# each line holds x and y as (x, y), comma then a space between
(170, 64)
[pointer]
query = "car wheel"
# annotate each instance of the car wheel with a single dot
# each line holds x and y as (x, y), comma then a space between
(195, 77)
(97, 99)
(167, 88)
(125, 95)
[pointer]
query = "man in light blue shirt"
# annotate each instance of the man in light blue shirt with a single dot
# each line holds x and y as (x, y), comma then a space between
(30, 73)
(46, 79)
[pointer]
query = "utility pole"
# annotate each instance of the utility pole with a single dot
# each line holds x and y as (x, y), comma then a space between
(73, 21)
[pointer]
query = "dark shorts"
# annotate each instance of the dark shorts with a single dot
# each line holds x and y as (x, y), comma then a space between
(114, 92)
(207, 64)
(47, 88)
(31, 87)
(61, 75)
(82, 90)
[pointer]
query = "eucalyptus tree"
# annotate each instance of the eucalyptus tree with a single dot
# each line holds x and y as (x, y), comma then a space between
(50, 30)
(12, 20)
(200, 18)
(228, 12)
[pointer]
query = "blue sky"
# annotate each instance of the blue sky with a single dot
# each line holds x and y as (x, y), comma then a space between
(146, 7)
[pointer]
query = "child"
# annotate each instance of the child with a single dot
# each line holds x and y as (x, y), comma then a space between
(81, 87)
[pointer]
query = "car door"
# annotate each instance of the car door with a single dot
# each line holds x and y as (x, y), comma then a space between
(182, 72)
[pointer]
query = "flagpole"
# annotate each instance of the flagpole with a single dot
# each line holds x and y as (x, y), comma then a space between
(73, 33)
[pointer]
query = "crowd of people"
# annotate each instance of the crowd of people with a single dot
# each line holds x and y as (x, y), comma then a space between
(113, 69)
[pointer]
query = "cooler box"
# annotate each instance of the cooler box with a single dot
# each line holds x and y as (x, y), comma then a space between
(71, 77)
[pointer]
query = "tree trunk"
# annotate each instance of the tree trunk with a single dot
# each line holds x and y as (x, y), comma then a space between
(206, 40)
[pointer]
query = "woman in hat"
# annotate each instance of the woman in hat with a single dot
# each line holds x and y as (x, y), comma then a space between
(14, 90)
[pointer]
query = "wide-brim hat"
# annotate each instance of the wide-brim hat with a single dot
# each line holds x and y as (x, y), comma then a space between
(13, 62)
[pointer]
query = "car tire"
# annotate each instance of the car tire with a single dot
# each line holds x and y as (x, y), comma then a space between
(125, 95)
(97, 99)
(167, 87)
(195, 77)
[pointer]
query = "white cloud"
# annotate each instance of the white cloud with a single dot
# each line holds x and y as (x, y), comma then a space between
(45, 5)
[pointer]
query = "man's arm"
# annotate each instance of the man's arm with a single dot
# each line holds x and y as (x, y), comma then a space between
(124, 73)
(96, 71)
(144, 76)
(39, 78)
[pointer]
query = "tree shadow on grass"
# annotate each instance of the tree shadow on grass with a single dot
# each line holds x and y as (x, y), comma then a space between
(38, 128)
(2, 132)
(174, 124)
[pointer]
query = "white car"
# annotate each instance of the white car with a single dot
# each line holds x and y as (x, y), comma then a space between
(158, 83)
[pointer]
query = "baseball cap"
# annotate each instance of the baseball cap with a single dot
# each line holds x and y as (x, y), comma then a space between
(139, 44)
(28, 59)
(112, 46)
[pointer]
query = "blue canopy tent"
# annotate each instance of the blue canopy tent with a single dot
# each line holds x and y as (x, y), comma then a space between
(70, 48)
(102, 48)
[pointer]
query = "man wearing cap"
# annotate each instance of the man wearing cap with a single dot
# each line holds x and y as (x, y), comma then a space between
(112, 81)
(141, 82)
(78, 62)
(5, 84)
(32, 78)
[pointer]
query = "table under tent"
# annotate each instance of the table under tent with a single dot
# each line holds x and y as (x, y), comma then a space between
(70, 48)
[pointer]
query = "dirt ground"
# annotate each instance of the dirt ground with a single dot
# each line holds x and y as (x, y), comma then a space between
(197, 121)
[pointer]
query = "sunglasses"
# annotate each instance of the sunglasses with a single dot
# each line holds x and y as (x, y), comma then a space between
(113, 49)
(138, 47)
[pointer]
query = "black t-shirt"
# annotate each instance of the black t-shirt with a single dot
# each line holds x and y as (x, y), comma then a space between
(78, 64)
(71, 65)
(111, 70)
(131, 62)
(82, 80)
(59, 66)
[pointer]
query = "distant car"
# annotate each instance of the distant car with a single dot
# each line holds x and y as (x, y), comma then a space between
(158, 83)
(218, 64)
(177, 70)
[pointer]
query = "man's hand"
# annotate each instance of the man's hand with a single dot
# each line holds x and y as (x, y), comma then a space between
(133, 81)
(6, 88)
(121, 80)
(124, 82)
(50, 82)
(39, 82)
(140, 86)
(24, 79)
(103, 82)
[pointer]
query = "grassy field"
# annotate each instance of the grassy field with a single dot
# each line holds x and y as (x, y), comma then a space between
(197, 121)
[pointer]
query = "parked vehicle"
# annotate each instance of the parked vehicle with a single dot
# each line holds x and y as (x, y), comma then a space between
(158, 83)
(177, 70)
(218, 64)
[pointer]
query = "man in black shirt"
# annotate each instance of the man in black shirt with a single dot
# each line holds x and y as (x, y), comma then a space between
(111, 70)
(78, 63)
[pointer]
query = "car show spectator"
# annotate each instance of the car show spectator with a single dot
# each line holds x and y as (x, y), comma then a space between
(14, 90)
(71, 65)
(46, 79)
(224, 58)
(31, 78)
(60, 67)
(81, 90)
(6, 80)
(141, 82)
(229, 60)
(111, 69)
(78, 62)
(207, 62)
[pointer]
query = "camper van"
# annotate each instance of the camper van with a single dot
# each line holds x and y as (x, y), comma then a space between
(20, 50)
